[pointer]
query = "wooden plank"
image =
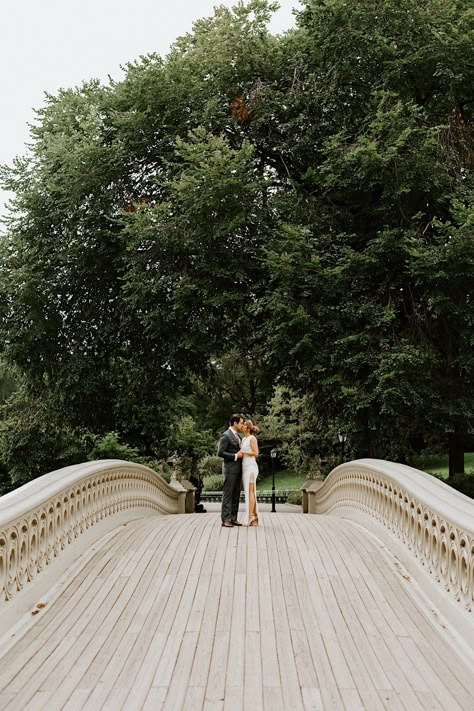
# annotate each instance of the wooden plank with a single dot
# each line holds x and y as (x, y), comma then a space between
(333, 641)
(50, 659)
(291, 691)
(268, 623)
(164, 670)
(75, 600)
(380, 634)
(194, 700)
(457, 678)
(312, 699)
(161, 616)
(85, 662)
(200, 668)
(145, 623)
(216, 680)
(179, 613)
(362, 659)
(155, 699)
(107, 668)
(316, 615)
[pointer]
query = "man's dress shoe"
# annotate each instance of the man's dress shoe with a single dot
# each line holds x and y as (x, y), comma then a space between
(227, 524)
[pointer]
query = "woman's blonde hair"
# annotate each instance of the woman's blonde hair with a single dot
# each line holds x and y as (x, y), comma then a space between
(253, 428)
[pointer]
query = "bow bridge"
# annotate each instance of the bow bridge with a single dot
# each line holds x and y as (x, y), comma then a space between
(113, 597)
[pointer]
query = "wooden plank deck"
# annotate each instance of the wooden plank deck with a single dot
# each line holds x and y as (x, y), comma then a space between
(178, 613)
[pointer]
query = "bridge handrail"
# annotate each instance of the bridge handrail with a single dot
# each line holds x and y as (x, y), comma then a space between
(41, 518)
(434, 521)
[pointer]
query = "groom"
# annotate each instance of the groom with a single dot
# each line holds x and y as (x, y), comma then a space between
(229, 451)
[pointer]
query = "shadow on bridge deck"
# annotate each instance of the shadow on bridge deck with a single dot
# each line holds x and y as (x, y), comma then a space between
(174, 612)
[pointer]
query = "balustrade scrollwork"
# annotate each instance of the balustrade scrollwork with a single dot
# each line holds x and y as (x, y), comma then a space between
(43, 517)
(435, 522)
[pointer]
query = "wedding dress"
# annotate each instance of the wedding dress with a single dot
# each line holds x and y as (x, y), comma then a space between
(249, 476)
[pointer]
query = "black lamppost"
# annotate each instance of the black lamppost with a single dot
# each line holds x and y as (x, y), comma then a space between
(273, 454)
(342, 439)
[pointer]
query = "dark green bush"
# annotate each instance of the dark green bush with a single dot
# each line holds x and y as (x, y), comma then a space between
(213, 483)
(210, 466)
(296, 497)
(463, 483)
(109, 447)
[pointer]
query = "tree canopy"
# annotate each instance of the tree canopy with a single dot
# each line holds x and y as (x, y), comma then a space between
(250, 212)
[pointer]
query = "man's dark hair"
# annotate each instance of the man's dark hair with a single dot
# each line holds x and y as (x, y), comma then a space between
(234, 418)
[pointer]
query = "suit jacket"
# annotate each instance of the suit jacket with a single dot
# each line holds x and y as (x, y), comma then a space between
(227, 449)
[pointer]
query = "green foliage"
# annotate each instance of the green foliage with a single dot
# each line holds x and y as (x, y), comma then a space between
(285, 479)
(210, 466)
(35, 440)
(251, 211)
(295, 497)
(213, 482)
(9, 382)
(109, 447)
(463, 483)
(188, 440)
(159, 466)
(291, 426)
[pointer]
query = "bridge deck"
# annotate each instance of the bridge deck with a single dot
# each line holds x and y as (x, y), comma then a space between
(176, 612)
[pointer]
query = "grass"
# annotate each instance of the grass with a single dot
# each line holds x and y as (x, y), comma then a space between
(431, 463)
(438, 463)
(285, 479)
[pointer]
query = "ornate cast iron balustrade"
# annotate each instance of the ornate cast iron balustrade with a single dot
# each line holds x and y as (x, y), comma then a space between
(41, 518)
(435, 522)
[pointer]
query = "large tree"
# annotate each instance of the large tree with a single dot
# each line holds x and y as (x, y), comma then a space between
(303, 201)
(132, 254)
(372, 276)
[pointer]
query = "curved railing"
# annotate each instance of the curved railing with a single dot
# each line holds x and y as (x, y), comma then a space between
(41, 518)
(435, 522)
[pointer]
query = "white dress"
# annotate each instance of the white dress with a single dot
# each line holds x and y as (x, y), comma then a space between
(249, 474)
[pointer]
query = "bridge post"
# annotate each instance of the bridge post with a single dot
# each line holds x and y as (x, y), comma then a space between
(312, 489)
(190, 495)
(311, 485)
(177, 486)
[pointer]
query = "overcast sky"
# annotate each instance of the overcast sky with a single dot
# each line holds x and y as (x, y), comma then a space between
(49, 44)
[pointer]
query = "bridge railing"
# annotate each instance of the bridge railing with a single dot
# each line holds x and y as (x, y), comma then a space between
(263, 496)
(40, 519)
(430, 519)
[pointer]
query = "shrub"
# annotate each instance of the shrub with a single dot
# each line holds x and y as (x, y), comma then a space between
(210, 466)
(463, 483)
(213, 483)
(35, 440)
(295, 497)
(109, 447)
(158, 466)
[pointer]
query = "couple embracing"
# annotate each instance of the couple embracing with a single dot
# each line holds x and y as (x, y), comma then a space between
(238, 447)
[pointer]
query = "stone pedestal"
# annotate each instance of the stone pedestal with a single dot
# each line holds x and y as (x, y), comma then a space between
(177, 486)
(190, 495)
(304, 490)
(312, 489)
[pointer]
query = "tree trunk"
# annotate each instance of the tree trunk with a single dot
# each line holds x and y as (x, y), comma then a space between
(456, 454)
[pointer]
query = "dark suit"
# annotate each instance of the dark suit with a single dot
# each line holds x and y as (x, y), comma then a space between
(227, 449)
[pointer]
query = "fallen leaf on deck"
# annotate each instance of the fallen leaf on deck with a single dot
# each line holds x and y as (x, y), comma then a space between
(35, 612)
(40, 605)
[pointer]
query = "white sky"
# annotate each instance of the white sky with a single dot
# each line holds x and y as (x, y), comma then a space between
(49, 44)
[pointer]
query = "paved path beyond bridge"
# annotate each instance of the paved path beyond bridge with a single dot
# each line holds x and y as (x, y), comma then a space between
(175, 612)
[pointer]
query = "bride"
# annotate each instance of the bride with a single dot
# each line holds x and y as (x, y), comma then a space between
(249, 451)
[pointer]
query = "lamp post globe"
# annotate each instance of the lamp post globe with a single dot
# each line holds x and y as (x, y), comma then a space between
(342, 440)
(273, 454)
